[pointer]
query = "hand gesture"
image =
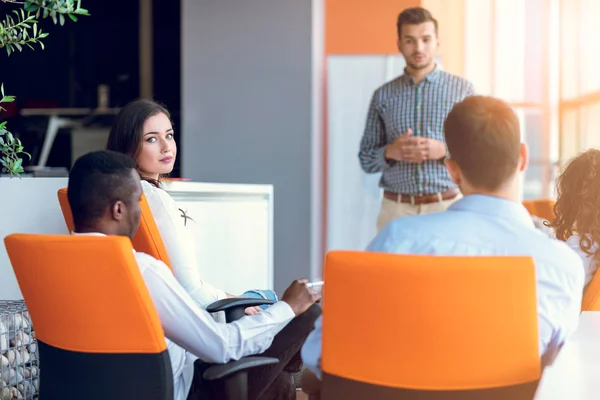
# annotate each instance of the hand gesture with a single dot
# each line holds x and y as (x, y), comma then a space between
(299, 296)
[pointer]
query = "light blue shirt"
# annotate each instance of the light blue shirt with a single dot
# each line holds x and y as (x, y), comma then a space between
(481, 225)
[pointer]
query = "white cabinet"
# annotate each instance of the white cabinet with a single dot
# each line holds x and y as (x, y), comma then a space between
(234, 232)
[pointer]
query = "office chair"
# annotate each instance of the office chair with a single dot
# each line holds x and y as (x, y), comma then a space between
(429, 327)
(98, 331)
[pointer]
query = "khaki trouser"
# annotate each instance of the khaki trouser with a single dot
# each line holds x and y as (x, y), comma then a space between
(391, 210)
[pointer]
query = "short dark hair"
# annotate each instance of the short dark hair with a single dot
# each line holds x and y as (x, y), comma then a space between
(415, 16)
(483, 136)
(96, 181)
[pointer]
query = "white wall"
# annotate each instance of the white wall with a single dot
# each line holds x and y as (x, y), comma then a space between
(28, 205)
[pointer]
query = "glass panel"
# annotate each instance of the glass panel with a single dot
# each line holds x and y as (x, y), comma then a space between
(533, 40)
(569, 140)
(569, 47)
(478, 48)
(509, 71)
(590, 37)
(590, 126)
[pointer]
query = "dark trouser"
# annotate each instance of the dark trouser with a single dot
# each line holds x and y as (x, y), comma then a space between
(271, 382)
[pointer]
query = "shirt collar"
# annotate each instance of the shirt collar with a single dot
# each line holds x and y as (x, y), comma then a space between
(87, 234)
(494, 207)
(433, 76)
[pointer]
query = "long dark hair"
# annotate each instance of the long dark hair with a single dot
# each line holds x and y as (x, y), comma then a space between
(126, 133)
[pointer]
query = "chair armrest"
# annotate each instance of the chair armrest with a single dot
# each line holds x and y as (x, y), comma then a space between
(234, 307)
(220, 371)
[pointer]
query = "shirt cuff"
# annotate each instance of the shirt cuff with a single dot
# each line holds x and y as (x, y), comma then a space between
(281, 312)
(380, 157)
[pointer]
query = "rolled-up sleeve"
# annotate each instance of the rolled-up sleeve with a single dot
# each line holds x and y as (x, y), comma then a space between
(373, 143)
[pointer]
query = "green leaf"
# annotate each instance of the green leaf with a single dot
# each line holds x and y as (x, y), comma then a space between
(18, 163)
(73, 17)
(30, 7)
(2, 89)
(7, 99)
(61, 18)
(42, 45)
(1, 141)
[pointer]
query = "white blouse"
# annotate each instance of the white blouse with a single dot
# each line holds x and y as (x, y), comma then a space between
(180, 243)
(589, 263)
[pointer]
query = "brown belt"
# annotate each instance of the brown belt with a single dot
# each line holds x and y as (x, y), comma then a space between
(425, 199)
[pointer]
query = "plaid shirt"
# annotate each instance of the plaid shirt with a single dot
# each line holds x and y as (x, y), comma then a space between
(399, 105)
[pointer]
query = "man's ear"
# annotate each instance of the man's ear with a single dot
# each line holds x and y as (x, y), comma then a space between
(523, 157)
(118, 210)
(454, 171)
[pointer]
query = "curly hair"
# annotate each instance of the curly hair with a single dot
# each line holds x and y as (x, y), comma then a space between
(577, 206)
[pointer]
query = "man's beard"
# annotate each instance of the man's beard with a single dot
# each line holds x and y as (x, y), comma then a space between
(418, 67)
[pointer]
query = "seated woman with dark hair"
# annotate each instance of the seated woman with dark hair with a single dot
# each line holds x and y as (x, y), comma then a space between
(143, 130)
(577, 209)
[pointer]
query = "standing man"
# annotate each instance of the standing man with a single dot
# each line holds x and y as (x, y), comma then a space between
(404, 136)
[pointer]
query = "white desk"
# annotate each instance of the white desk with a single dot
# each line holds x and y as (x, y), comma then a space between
(575, 374)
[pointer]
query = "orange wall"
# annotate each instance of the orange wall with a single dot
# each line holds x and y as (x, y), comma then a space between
(363, 26)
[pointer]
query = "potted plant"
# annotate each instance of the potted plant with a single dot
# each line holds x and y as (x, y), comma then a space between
(19, 28)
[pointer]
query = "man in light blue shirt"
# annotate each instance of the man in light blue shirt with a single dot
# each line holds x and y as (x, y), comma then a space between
(486, 159)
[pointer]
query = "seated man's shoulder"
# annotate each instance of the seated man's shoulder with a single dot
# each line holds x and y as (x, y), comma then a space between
(147, 261)
(559, 254)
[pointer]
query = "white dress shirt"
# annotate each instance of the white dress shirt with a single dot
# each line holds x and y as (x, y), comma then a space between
(180, 243)
(191, 332)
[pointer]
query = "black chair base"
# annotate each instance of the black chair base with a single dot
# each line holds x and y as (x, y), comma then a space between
(336, 388)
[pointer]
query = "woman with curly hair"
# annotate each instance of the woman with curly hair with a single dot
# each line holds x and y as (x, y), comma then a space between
(577, 209)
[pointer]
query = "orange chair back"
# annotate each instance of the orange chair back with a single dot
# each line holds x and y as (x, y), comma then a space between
(92, 315)
(146, 240)
(543, 208)
(430, 322)
(530, 206)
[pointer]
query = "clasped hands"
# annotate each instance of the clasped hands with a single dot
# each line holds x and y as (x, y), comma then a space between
(414, 149)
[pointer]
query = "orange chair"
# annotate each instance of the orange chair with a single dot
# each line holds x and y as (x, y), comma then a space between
(99, 336)
(146, 240)
(530, 206)
(429, 327)
(543, 208)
